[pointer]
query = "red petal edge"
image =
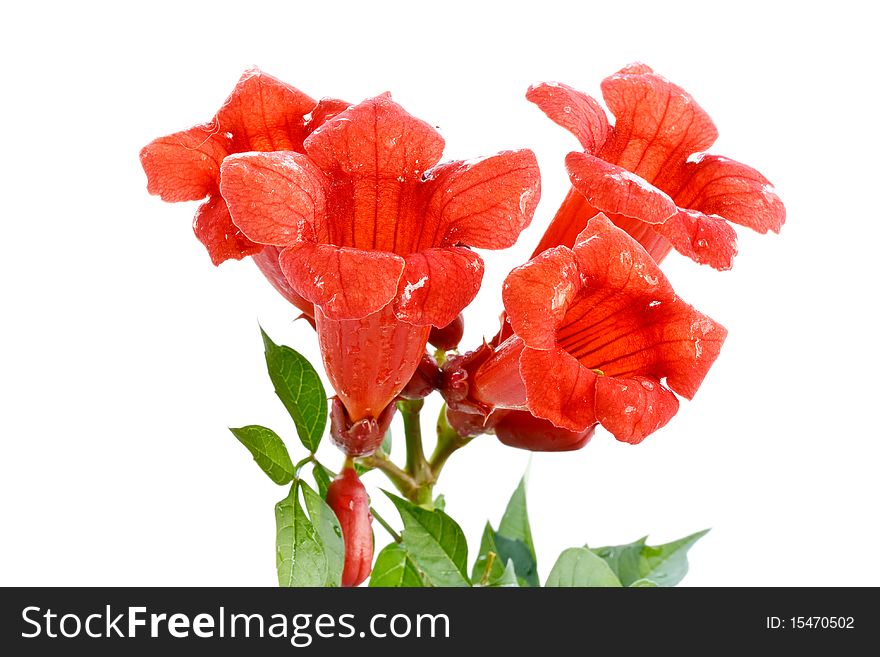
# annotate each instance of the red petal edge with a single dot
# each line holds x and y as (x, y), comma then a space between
(573, 110)
(437, 284)
(614, 190)
(214, 228)
(346, 283)
(272, 196)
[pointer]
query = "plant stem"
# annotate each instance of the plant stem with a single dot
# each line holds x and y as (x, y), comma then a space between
(490, 561)
(416, 481)
(401, 479)
(412, 427)
(448, 442)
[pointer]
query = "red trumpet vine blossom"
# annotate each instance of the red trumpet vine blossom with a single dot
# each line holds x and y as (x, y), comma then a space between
(599, 336)
(648, 173)
(261, 114)
(376, 236)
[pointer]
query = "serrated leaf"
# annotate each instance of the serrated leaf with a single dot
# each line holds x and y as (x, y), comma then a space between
(508, 578)
(299, 556)
(522, 557)
(515, 522)
(434, 542)
(580, 567)
(644, 584)
(505, 550)
(268, 451)
(329, 534)
(299, 388)
(323, 477)
(395, 568)
(624, 560)
(487, 546)
(665, 565)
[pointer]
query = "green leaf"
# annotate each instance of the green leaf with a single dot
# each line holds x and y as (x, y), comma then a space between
(506, 550)
(385, 447)
(299, 557)
(268, 451)
(512, 541)
(664, 565)
(329, 534)
(624, 560)
(580, 567)
(299, 388)
(434, 542)
(644, 584)
(515, 523)
(440, 502)
(487, 545)
(508, 578)
(395, 568)
(667, 564)
(522, 557)
(323, 477)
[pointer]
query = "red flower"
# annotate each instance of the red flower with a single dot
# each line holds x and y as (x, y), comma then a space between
(648, 172)
(261, 114)
(523, 430)
(599, 336)
(376, 236)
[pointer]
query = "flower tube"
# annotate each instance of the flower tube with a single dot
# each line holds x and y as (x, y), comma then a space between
(377, 237)
(599, 336)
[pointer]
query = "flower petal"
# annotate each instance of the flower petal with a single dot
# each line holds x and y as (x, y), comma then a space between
(375, 154)
(376, 138)
(658, 124)
(537, 295)
(614, 190)
(559, 388)
(325, 110)
(264, 114)
(573, 110)
(272, 196)
(633, 408)
(214, 228)
(485, 202)
(628, 320)
(267, 262)
(717, 185)
(346, 283)
(707, 239)
(437, 284)
(184, 166)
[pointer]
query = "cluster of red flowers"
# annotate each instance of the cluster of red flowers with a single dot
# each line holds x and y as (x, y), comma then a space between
(347, 212)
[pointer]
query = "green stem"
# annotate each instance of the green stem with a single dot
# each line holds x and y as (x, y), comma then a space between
(448, 442)
(402, 480)
(412, 427)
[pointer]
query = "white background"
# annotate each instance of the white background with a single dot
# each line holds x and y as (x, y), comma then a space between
(126, 354)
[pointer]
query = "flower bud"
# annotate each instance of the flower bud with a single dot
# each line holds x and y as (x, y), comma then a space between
(449, 336)
(348, 498)
(360, 438)
(523, 430)
(468, 424)
(425, 380)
